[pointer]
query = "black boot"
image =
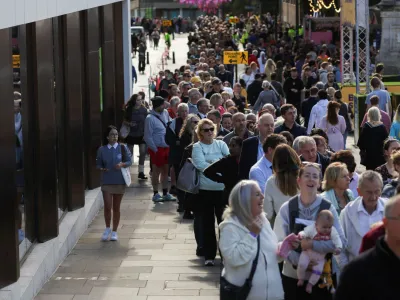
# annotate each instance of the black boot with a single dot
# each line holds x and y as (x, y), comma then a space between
(142, 176)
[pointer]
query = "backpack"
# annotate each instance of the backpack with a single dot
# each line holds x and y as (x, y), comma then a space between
(294, 213)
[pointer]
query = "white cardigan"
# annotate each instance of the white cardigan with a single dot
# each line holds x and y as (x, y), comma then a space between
(350, 222)
(239, 248)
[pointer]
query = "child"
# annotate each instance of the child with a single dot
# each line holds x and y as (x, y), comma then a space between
(321, 230)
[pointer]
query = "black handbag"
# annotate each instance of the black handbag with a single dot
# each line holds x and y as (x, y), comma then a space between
(228, 291)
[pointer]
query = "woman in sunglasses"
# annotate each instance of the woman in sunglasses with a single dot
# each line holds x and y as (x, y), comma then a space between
(210, 198)
(294, 215)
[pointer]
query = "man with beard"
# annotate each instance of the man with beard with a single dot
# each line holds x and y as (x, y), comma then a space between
(331, 81)
(239, 128)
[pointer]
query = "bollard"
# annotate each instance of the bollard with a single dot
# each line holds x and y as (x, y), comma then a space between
(148, 61)
(173, 57)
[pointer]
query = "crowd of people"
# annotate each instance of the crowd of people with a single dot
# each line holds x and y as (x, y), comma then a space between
(273, 168)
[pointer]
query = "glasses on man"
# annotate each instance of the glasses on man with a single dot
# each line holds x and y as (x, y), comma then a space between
(113, 134)
(208, 129)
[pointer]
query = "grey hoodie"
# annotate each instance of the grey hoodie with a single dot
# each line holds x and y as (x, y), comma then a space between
(155, 129)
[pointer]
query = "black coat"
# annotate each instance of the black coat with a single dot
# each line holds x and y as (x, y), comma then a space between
(374, 275)
(253, 91)
(224, 171)
(306, 108)
(371, 145)
(292, 97)
(248, 156)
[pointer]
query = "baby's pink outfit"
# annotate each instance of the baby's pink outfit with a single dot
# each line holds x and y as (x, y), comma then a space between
(309, 254)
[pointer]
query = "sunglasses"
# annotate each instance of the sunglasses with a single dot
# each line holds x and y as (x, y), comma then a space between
(208, 129)
(195, 122)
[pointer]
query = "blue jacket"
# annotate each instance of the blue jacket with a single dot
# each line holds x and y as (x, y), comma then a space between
(107, 157)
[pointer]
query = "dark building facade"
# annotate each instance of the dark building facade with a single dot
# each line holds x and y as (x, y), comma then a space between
(68, 88)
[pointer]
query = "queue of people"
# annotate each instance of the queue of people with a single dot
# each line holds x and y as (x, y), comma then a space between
(293, 213)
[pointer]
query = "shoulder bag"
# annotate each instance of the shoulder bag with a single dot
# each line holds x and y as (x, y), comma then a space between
(126, 172)
(228, 291)
(188, 179)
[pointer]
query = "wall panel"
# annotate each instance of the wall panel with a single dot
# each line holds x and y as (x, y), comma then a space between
(47, 207)
(108, 74)
(73, 93)
(92, 128)
(9, 256)
(119, 63)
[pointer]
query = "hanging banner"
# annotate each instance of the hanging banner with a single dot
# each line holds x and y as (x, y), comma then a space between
(348, 13)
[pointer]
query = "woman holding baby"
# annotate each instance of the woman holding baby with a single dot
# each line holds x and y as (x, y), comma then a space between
(310, 224)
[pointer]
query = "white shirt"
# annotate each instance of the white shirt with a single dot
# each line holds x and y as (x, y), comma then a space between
(260, 152)
(366, 220)
(260, 172)
(114, 146)
(354, 184)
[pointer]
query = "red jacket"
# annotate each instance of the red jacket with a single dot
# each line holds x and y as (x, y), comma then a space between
(370, 238)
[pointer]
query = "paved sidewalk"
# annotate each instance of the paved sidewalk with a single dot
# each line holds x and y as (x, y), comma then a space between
(154, 258)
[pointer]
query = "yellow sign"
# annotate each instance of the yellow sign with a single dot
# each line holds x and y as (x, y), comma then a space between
(236, 57)
(234, 20)
(166, 23)
(16, 61)
(348, 13)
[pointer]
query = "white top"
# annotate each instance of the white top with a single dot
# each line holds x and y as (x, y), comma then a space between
(273, 198)
(354, 184)
(239, 248)
(356, 222)
(318, 111)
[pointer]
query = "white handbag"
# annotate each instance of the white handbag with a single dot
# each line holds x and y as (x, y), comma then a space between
(126, 172)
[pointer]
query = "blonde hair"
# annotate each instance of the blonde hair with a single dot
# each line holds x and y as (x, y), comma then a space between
(332, 174)
(396, 157)
(187, 125)
(374, 115)
(200, 127)
(240, 202)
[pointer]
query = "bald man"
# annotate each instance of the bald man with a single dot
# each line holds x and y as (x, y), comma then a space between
(252, 149)
(375, 273)
(239, 128)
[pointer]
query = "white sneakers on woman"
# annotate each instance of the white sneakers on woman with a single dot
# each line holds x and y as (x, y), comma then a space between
(106, 234)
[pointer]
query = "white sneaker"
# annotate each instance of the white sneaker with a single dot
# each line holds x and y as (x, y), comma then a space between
(106, 234)
(209, 263)
(114, 236)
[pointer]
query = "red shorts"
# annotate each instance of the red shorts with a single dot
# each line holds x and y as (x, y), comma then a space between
(159, 158)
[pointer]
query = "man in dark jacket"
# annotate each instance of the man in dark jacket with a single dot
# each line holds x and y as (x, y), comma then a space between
(254, 89)
(308, 104)
(289, 114)
(217, 88)
(374, 274)
(331, 81)
(224, 75)
(292, 88)
(308, 152)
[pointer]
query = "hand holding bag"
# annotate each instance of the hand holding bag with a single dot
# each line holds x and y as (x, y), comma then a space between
(126, 172)
(124, 131)
(188, 179)
(228, 291)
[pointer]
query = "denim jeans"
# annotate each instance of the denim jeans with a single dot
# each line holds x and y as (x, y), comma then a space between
(345, 139)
